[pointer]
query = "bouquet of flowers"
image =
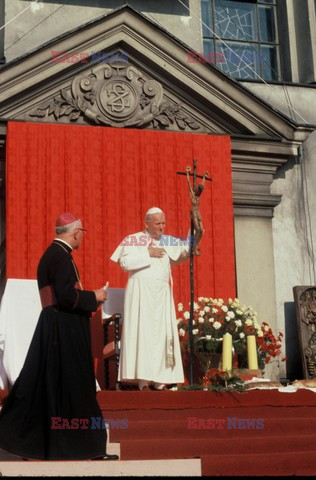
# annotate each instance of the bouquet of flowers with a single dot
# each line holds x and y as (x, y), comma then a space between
(212, 318)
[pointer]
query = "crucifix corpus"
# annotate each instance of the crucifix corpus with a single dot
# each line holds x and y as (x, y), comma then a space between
(196, 234)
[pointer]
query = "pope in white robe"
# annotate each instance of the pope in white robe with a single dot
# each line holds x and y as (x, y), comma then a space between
(150, 349)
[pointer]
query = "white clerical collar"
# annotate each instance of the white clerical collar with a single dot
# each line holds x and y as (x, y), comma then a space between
(151, 236)
(63, 241)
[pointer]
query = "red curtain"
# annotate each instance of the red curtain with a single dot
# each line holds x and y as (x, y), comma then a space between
(109, 178)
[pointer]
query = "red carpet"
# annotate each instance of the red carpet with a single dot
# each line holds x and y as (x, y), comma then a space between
(158, 428)
(199, 399)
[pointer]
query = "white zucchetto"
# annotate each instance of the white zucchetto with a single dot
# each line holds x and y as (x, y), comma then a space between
(153, 210)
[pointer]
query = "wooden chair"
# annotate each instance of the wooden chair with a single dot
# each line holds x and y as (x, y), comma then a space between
(111, 350)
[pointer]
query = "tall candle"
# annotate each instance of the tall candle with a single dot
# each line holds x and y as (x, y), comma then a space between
(252, 352)
(227, 357)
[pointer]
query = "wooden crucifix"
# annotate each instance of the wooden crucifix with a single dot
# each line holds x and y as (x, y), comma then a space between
(196, 234)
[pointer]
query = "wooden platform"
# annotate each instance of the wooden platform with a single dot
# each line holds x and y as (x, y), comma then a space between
(143, 468)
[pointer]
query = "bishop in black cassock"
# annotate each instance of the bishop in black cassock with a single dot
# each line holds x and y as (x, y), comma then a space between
(57, 386)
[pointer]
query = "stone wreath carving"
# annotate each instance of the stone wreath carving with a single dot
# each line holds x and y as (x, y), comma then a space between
(310, 354)
(117, 96)
(308, 307)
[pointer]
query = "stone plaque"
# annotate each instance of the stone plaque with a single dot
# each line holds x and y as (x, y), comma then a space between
(305, 303)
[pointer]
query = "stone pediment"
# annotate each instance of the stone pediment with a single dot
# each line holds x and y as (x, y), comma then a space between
(123, 70)
(215, 102)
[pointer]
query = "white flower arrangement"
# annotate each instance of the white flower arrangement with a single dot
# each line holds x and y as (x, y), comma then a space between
(212, 318)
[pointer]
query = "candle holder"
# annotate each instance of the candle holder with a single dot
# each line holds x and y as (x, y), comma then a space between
(217, 380)
(208, 361)
(247, 374)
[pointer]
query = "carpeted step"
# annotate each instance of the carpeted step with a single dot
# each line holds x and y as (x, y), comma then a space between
(117, 400)
(211, 412)
(158, 429)
(195, 448)
(208, 428)
(299, 463)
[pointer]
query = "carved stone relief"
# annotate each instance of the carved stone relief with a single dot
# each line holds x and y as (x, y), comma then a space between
(305, 301)
(119, 96)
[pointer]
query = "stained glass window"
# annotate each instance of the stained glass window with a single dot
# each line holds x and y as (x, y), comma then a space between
(240, 37)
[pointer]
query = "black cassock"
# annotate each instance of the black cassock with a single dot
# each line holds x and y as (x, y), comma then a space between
(57, 379)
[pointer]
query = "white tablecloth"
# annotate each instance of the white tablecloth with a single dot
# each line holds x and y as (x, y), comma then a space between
(19, 312)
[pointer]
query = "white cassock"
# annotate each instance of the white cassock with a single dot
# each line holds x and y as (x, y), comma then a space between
(150, 348)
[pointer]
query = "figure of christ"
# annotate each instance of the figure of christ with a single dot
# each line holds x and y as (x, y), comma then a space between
(195, 211)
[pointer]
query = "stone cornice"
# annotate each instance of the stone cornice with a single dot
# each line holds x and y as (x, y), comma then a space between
(254, 164)
(254, 205)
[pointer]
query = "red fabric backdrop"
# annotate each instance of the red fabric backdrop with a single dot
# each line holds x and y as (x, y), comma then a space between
(109, 177)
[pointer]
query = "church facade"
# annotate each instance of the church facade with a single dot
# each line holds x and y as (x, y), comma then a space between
(242, 69)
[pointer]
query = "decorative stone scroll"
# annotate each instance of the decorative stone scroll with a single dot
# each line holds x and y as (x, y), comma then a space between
(305, 302)
(116, 95)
